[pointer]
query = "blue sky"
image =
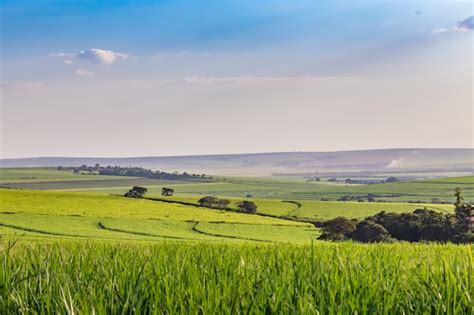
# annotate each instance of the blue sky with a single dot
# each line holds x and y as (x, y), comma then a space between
(292, 57)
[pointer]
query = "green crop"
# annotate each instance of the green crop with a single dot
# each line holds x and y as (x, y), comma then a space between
(73, 277)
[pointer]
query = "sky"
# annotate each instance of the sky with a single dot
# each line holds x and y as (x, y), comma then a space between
(157, 78)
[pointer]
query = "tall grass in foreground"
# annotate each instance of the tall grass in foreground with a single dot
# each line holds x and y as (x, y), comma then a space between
(177, 278)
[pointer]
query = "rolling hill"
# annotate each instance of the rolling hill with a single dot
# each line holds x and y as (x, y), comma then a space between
(384, 160)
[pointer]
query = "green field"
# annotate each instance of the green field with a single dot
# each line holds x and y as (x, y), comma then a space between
(97, 216)
(197, 278)
(81, 247)
(66, 205)
(36, 175)
(323, 210)
(422, 191)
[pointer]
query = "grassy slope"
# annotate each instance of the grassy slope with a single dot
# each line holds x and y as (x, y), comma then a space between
(263, 188)
(89, 215)
(424, 191)
(32, 175)
(323, 210)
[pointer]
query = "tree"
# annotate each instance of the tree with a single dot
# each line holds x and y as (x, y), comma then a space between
(463, 215)
(247, 206)
(338, 229)
(421, 225)
(208, 201)
(222, 203)
(392, 180)
(370, 232)
(167, 191)
(136, 192)
(213, 202)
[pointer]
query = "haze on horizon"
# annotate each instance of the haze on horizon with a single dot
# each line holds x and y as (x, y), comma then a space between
(164, 78)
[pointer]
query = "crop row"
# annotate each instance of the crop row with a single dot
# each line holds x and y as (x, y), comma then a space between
(183, 278)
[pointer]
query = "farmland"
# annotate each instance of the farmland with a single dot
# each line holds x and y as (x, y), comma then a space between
(421, 191)
(74, 244)
(99, 216)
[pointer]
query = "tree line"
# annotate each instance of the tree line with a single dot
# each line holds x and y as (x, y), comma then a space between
(421, 225)
(212, 202)
(244, 206)
(133, 172)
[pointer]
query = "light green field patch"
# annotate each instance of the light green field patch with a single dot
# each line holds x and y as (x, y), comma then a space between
(166, 229)
(324, 210)
(105, 206)
(32, 175)
(269, 233)
(63, 227)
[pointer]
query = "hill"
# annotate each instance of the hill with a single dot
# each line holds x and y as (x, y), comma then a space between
(384, 160)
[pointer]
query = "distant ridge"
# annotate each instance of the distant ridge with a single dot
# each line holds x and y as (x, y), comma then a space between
(279, 162)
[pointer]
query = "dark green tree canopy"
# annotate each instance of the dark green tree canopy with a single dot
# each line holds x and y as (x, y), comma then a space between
(136, 192)
(247, 206)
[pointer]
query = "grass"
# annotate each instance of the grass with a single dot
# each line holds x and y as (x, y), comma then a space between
(423, 191)
(89, 252)
(196, 278)
(40, 214)
(34, 175)
(260, 188)
(279, 233)
(324, 210)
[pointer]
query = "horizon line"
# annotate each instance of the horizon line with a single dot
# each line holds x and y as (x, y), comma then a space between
(225, 154)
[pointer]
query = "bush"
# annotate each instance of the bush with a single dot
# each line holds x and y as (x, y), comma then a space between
(247, 206)
(338, 229)
(213, 202)
(370, 232)
(167, 191)
(421, 225)
(136, 192)
(207, 201)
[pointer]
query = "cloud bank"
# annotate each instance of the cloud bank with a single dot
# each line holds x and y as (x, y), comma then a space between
(94, 55)
(466, 25)
(462, 26)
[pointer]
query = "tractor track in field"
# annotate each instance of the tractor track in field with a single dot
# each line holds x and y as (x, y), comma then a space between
(296, 203)
(101, 226)
(40, 231)
(195, 229)
(283, 217)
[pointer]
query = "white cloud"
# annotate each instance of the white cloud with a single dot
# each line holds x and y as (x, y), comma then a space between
(95, 55)
(440, 30)
(83, 73)
(66, 58)
(465, 25)
(462, 26)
